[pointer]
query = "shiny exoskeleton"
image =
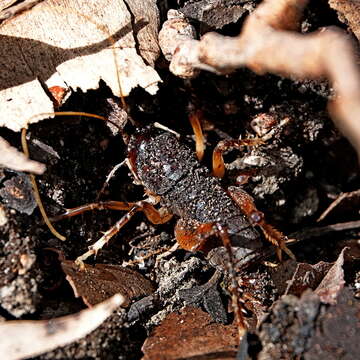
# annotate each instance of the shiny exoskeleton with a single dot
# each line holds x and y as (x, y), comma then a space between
(168, 168)
(172, 175)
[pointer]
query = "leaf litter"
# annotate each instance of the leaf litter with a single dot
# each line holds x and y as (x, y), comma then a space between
(290, 316)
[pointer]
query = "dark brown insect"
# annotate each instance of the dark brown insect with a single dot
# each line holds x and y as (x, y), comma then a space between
(173, 177)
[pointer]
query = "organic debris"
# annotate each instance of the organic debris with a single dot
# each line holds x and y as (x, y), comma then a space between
(294, 308)
(191, 334)
(17, 193)
(96, 283)
(102, 46)
(270, 29)
(305, 328)
(25, 338)
(349, 13)
(333, 282)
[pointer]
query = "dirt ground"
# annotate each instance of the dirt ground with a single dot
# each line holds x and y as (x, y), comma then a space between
(299, 171)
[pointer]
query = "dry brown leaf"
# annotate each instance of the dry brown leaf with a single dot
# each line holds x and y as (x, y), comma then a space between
(26, 338)
(65, 43)
(16, 160)
(96, 283)
(191, 334)
(333, 282)
(349, 12)
(306, 276)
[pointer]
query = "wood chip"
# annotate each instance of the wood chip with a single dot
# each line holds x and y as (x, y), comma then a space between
(77, 42)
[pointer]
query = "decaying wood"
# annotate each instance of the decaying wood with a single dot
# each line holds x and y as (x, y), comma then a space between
(26, 338)
(75, 44)
(269, 43)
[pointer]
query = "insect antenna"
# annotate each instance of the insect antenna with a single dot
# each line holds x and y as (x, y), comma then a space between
(124, 106)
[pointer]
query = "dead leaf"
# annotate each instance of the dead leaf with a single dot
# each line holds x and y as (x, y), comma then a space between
(349, 12)
(16, 160)
(70, 44)
(97, 283)
(333, 282)
(26, 338)
(191, 334)
(282, 273)
(306, 276)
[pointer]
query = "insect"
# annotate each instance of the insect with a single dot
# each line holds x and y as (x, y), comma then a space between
(173, 177)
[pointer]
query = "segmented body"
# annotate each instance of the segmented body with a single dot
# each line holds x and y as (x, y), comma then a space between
(169, 168)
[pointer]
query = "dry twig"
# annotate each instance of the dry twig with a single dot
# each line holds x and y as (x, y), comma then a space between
(336, 202)
(269, 43)
(26, 338)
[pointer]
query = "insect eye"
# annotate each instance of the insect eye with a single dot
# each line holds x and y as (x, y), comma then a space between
(256, 217)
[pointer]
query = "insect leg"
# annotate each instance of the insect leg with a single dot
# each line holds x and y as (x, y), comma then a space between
(101, 205)
(218, 160)
(256, 217)
(192, 235)
(235, 289)
(155, 216)
(194, 119)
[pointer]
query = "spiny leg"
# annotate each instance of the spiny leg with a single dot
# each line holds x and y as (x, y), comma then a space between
(224, 145)
(256, 217)
(235, 289)
(192, 235)
(194, 119)
(155, 216)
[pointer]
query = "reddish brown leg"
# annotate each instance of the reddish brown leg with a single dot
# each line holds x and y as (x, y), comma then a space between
(101, 205)
(224, 145)
(155, 216)
(256, 217)
(194, 119)
(192, 236)
(235, 289)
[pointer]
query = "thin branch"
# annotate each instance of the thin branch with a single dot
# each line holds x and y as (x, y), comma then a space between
(269, 43)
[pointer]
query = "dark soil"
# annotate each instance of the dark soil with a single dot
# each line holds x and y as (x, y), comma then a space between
(298, 173)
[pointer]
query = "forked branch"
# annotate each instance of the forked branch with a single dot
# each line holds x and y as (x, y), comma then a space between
(269, 43)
